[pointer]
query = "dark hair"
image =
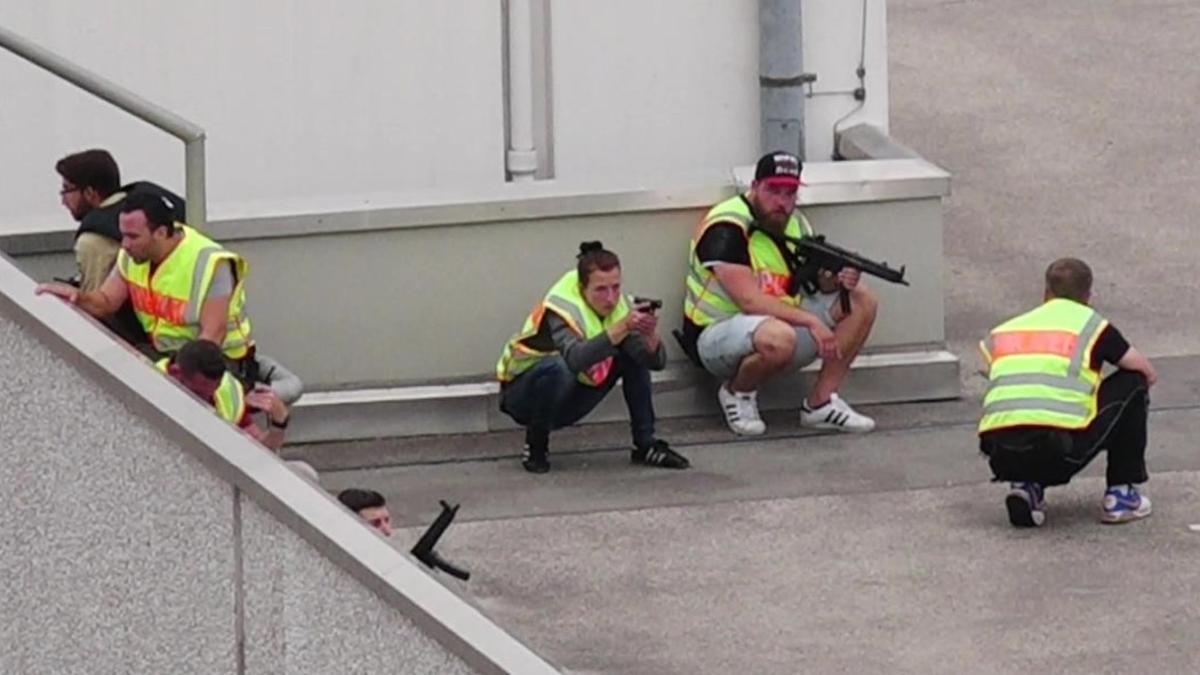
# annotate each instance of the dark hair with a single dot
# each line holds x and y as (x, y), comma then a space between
(1069, 278)
(201, 357)
(94, 169)
(159, 210)
(593, 256)
(356, 500)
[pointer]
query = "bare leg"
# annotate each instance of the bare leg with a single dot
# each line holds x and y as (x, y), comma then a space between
(774, 342)
(851, 333)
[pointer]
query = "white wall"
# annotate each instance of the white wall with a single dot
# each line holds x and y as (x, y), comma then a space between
(315, 103)
(314, 98)
(833, 31)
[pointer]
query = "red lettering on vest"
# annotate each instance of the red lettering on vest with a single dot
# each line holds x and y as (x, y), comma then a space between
(146, 301)
(775, 285)
(599, 372)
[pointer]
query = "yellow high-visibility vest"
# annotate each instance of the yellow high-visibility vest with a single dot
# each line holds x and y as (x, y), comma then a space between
(705, 301)
(168, 303)
(566, 300)
(1040, 371)
(229, 401)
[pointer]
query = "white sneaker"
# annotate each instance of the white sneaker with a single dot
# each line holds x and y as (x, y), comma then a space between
(837, 415)
(741, 412)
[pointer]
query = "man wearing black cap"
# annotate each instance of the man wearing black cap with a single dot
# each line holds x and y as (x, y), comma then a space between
(745, 321)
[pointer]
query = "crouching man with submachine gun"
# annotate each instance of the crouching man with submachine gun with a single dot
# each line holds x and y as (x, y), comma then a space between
(766, 295)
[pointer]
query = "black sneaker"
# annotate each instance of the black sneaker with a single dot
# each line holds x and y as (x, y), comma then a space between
(536, 461)
(659, 454)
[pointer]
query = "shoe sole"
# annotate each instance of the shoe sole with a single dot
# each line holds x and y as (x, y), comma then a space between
(824, 426)
(1124, 517)
(1021, 513)
(747, 433)
(662, 466)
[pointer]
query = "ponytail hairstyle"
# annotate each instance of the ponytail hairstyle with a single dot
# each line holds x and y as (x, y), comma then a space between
(593, 256)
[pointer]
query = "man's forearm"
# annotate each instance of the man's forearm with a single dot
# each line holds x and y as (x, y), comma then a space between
(214, 334)
(273, 439)
(97, 304)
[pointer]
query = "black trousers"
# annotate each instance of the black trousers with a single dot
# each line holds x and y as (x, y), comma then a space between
(1052, 456)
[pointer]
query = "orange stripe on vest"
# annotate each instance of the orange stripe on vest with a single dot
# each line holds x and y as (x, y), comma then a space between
(1052, 342)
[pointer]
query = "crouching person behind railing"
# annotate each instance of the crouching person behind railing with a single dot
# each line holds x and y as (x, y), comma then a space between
(200, 367)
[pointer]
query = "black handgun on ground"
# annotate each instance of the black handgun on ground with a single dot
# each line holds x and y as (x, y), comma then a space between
(810, 255)
(651, 305)
(424, 552)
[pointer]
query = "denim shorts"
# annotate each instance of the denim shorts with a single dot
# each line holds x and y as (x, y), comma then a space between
(724, 344)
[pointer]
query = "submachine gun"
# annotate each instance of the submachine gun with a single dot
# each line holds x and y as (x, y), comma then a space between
(807, 256)
(424, 552)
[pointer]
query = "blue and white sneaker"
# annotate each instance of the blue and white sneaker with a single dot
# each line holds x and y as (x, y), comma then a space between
(1123, 503)
(1026, 503)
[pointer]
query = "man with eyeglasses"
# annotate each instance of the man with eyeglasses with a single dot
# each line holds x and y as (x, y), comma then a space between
(92, 193)
(745, 323)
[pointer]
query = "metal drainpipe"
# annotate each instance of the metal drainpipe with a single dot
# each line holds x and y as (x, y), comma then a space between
(521, 158)
(781, 75)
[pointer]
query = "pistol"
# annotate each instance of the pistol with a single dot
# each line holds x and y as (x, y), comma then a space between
(651, 305)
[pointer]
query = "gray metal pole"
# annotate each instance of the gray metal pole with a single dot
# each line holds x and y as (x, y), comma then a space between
(781, 75)
(191, 134)
(197, 209)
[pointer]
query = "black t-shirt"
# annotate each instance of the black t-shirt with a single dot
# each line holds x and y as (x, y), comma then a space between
(1110, 347)
(724, 243)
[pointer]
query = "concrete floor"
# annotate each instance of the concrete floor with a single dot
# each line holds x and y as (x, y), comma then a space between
(888, 552)
(1069, 129)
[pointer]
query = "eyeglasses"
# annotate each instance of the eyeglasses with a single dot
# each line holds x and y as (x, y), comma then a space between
(68, 190)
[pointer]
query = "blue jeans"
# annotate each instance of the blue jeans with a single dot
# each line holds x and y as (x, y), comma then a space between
(548, 396)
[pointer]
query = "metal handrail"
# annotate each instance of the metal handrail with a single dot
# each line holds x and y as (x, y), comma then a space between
(97, 85)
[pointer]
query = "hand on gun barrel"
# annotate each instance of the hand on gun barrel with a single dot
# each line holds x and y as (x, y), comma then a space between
(811, 255)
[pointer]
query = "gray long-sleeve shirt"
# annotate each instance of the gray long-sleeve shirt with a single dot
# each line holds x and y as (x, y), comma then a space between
(580, 354)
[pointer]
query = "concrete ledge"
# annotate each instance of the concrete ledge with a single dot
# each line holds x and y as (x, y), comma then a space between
(681, 390)
(865, 141)
(889, 178)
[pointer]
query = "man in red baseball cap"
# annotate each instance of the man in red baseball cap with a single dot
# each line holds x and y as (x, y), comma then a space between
(746, 318)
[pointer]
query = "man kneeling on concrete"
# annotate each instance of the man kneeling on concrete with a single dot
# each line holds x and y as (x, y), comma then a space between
(579, 340)
(1047, 413)
(746, 318)
(200, 367)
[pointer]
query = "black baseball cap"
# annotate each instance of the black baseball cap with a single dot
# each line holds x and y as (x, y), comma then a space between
(779, 167)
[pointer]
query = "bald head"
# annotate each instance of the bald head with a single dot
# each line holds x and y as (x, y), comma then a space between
(1069, 278)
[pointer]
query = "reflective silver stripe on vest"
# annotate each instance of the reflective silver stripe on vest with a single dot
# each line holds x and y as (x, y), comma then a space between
(196, 297)
(1085, 338)
(1056, 381)
(707, 308)
(1030, 404)
(169, 343)
(564, 305)
(989, 345)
